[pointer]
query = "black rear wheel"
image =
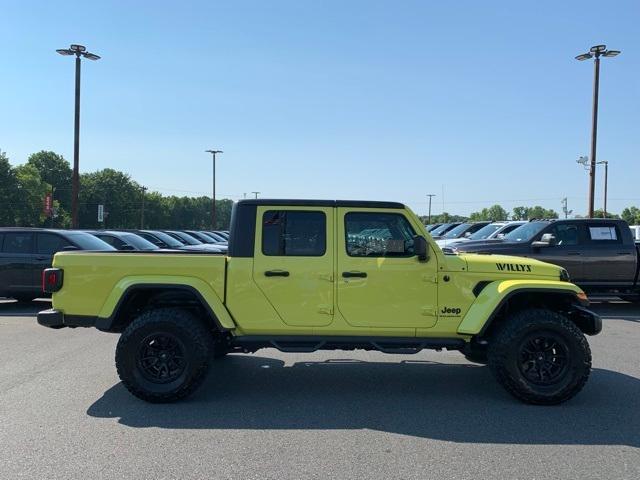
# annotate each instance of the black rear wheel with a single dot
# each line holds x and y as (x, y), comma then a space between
(163, 355)
(540, 357)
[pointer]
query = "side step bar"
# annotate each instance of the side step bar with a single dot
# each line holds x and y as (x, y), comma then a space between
(305, 344)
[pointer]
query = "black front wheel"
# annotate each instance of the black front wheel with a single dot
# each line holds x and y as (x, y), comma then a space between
(540, 357)
(163, 355)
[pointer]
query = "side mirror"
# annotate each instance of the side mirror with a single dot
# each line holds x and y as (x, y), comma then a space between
(547, 240)
(421, 248)
(127, 247)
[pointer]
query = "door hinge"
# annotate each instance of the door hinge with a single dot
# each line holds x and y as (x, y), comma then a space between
(428, 311)
(326, 309)
(430, 278)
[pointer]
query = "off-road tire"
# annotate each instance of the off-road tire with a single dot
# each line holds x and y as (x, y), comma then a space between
(194, 345)
(510, 345)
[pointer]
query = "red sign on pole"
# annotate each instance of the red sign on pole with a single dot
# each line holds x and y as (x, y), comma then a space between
(48, 204)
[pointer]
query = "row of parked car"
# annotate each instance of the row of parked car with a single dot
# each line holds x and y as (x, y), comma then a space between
(446, 234)
(25, 252)
(600, 255)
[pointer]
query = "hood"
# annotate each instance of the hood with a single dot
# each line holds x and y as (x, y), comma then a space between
(491, 245)
(508, 265)
(206, 247)
(447, 242)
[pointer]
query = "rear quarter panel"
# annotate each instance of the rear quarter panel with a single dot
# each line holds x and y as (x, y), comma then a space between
(94, 282)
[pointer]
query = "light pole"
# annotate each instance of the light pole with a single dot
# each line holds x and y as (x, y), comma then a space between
(213, 196)
(606, 174)
(595, 52)
(144, 191)
(430, 195)
(256, 194)
(584, 161)
(78, 51)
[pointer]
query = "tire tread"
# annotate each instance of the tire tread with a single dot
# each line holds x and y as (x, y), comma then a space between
(512, 329)
(201, 340)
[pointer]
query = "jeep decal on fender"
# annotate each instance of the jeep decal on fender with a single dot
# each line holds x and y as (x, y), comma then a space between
(450, 312)
(513, 267)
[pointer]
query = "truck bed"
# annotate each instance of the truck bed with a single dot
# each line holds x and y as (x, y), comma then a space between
(89, 276)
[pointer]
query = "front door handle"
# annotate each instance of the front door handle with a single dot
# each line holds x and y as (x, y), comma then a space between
(354, 274)
(276, 273)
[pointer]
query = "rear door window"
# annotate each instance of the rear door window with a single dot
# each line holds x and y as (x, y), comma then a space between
(50, 243)
(294, 233)
(604, 233)
(111, 240)
(18, 242)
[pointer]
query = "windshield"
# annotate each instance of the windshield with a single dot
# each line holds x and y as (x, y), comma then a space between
(188, 239)
(437, 231)
(486, 231)
(86, 241)
(525, 232)
(200, 236)
(168, 239)
(457, 231)
(216, 236)
(138, 242)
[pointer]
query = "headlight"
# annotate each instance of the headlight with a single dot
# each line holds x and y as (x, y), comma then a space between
(564, 275)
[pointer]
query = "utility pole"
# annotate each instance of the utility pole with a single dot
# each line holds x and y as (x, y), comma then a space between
(595, 52)
(565, 208)
(213, 196)
(144, 191)
(52, 212)
(78, 51)
(430, 195)
(256, 194)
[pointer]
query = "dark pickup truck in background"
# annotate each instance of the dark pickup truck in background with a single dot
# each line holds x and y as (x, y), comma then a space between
(600, 255)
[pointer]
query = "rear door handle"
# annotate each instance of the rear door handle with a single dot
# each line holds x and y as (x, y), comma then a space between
(354, 274)
(276, 273)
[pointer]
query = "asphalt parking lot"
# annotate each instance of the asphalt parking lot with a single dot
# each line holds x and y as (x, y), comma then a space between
(64, 414)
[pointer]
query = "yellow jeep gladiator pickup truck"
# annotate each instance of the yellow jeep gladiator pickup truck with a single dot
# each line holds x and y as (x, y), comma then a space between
(303, 275)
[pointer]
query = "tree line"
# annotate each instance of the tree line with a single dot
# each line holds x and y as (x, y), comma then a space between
(23, 189)
(497, 213)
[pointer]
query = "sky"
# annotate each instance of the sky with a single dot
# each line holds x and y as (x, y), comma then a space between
(475, 102)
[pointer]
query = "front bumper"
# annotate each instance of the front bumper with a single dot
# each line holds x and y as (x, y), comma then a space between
(55, 319)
